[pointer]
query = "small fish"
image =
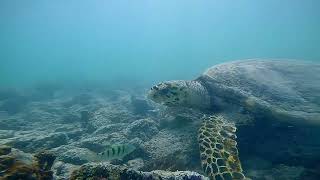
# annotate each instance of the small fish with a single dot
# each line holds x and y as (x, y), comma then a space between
(113, 152)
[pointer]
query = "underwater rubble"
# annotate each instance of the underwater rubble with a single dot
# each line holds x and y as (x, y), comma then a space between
(75, 124)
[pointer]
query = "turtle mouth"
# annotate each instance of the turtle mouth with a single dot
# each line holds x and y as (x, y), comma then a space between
(152, 95)
(155, 97)
(157, 93)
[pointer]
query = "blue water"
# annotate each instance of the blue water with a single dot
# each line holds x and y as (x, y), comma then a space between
(142, 42)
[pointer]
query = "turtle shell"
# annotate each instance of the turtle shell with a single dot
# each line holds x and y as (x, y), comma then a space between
(283, 89)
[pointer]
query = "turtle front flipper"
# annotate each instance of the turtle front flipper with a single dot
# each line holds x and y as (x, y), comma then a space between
(218, 149)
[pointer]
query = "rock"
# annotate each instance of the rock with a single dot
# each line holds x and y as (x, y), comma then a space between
(140, 106)
(38, 112)
(111, 128)
(31, 143)
(92, 145)
(44, 160)
(143, 129)
(178, 175)
(70, 118)
(164, 140)
(172, 150)
(10, 124)
(4, 150)
(136, 164)
(62, 171)
(5, 163)
(136, 142)
(75, 135)
(116, 172)
(72, 155)
(111, 114)
(105, 139)
(19, 165)
(85, 116)
(4, 134)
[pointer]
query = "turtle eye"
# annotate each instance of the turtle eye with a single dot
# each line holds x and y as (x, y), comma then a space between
(155, 87)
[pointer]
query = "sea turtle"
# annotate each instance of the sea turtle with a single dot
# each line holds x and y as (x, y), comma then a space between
(282, 90)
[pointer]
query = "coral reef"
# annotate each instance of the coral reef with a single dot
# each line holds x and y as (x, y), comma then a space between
(74, 123)
(143, 129)
(116, 172)
(4, 150)
(63, 170)
(15, 164)
(136, 164)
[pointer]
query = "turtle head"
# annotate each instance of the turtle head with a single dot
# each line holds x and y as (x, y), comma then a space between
(180, 93)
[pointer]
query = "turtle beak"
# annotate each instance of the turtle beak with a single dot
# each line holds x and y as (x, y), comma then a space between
(152, 92)
(155, 92)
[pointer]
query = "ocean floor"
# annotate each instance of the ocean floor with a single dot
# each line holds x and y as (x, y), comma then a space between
(72, 124)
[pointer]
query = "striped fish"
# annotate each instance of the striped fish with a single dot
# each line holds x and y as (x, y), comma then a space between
(113, 152)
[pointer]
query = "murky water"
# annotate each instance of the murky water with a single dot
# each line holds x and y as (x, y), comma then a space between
(74, 78)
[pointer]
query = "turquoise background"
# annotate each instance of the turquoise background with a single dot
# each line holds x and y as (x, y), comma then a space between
(141, 42)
